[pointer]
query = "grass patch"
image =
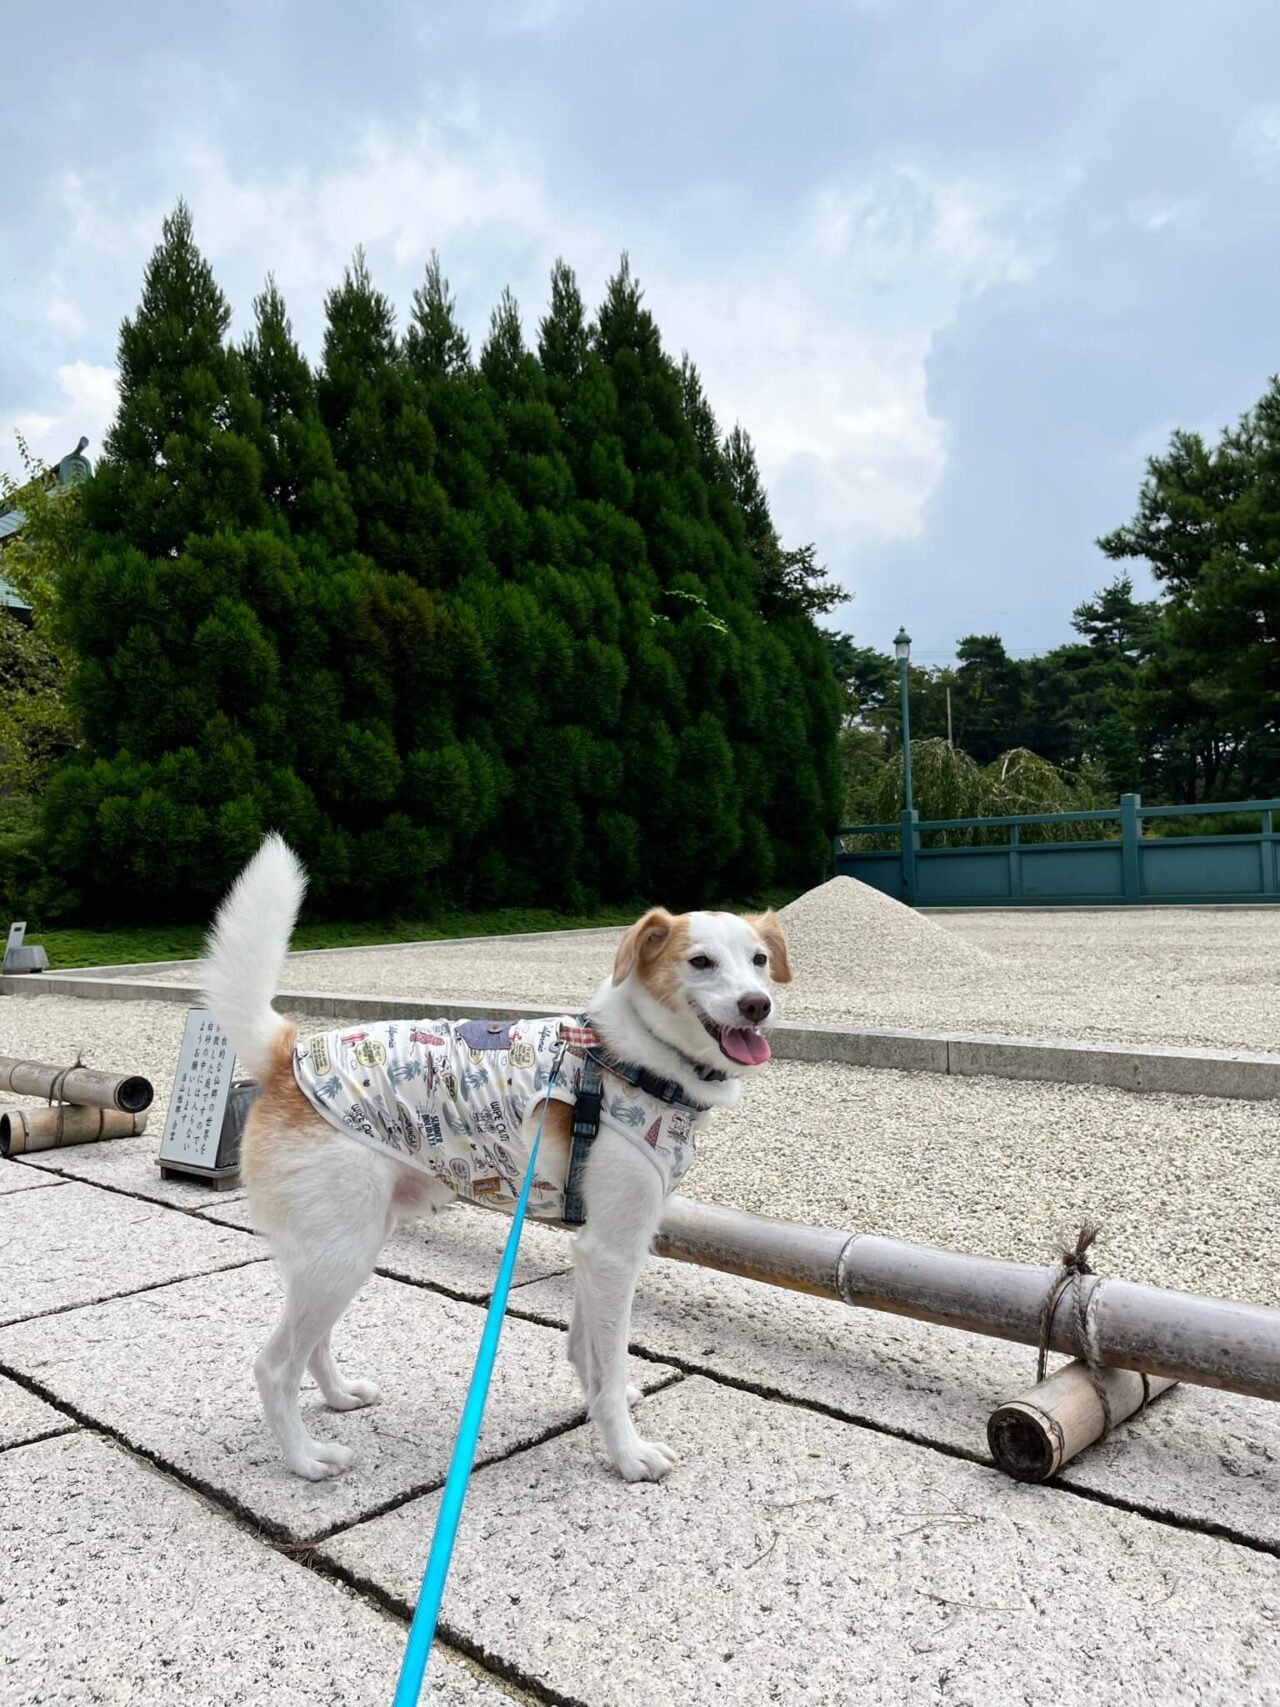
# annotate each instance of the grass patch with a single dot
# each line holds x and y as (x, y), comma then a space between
(138, 943)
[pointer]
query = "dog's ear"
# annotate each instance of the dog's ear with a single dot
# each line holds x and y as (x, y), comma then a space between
(642, 942)
(769, 931)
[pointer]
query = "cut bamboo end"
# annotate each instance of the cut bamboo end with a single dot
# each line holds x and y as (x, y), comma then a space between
(1033, 1436)
(23, 1131)
(85, 1086)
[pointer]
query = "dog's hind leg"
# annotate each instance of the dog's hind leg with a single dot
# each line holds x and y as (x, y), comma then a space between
(624, 1198)
(340, 1393)
(327, 1241)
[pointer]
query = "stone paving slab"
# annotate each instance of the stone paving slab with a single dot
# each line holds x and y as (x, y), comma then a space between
(121, 1586)
(77, 1245)
(1208, 1457)
(171, 1373)
(794, 1558)
(23, 1417)
(457, 1250)
(129, 1165)
(18, 1176)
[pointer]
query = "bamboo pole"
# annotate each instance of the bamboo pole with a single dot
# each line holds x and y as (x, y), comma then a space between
(23, 1131)
(86, 1086)
(1033, 1436)
(1211, 1342)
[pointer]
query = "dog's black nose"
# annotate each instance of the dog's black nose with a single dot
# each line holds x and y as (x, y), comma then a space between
(755, 1009)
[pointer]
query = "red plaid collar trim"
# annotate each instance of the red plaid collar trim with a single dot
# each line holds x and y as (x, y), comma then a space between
(578, 1036)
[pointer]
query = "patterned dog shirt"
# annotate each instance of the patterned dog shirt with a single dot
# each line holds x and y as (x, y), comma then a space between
(450, 1097)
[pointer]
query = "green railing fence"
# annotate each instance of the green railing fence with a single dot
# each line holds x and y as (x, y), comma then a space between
(1102, 867)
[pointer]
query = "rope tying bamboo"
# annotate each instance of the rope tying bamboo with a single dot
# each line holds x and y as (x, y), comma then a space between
(55, 1094)
(1075, 1266)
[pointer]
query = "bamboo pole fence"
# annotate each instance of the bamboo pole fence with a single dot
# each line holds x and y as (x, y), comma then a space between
(85, 1086)
(1175, 1336)
(1033, 1436)
(23, 1131)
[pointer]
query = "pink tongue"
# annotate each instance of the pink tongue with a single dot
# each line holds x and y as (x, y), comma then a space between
(745, 1046)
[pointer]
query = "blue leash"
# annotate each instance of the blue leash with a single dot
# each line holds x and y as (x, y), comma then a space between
(426, 1615)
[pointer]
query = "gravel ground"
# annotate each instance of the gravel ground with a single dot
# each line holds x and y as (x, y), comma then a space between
(1200, 978)
(124, 1037)
(1185, 1187)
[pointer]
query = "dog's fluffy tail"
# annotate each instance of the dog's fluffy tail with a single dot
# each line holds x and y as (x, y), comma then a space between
(246, 950)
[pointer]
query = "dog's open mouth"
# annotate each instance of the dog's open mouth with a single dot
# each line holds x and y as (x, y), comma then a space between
(742, 1043)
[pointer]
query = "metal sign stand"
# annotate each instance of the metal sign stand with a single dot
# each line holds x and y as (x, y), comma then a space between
(20, 957)
(206, 1108)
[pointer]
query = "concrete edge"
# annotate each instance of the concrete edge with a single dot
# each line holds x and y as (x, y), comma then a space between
(1236, 1074)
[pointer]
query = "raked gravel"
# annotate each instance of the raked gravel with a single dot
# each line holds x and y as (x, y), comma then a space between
(123, 1037)
(1199, 977)
(1185, 1187)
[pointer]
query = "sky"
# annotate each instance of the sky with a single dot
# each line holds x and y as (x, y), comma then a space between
(958, 269)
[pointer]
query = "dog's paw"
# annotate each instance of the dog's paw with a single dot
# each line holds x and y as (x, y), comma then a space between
(354, 1395)
(645, 1461)
(322, 1460)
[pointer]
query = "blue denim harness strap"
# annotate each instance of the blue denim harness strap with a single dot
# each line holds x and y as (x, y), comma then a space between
(590, 1099)
(586, 1127)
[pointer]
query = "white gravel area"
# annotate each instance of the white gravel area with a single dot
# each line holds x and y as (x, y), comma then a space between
(1201, 978)
(124, 1037)
(1185, 1187)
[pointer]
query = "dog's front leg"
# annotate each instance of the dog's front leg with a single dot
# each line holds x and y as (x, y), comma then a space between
(623, 1197)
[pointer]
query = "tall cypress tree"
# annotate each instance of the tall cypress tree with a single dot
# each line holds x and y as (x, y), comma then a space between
(571, 846)
(169, 608)
(179, 457)
(374, 409)
(301, 482)
(438, 354)
(495, 631)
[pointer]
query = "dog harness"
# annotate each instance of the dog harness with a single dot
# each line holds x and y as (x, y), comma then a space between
(450, 1099)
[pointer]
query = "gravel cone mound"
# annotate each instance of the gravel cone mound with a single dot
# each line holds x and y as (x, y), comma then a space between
(844, 927)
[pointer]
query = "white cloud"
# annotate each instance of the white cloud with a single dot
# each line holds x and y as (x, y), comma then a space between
(1156, 213)
(907, 227)
(89, 395)
(835, 404)
(1260, 134)
(64, 316)
(823, 355)
(820, 352)
(526, 17)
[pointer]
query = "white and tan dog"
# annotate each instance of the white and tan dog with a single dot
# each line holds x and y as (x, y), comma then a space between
(687, 1002)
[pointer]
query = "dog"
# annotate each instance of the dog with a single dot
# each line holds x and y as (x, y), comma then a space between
(352, 1130)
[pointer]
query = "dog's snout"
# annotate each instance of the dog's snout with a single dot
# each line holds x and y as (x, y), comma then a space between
(755, 1009)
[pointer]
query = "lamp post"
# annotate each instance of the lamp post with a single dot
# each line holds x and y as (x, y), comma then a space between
(902, 651)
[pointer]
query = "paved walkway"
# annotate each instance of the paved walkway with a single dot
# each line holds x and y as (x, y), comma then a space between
(833, 1533)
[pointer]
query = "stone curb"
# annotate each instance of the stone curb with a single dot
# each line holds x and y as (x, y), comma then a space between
(1237, 1074)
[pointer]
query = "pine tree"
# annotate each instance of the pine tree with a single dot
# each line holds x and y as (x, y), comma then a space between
(300, 479)
(374, 408)
(477, 632)
(179, 457)
(787, 581)
(438, 354)
(178, 681)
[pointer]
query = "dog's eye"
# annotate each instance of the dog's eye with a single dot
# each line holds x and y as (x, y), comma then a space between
(701, 962)
(759, 959)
